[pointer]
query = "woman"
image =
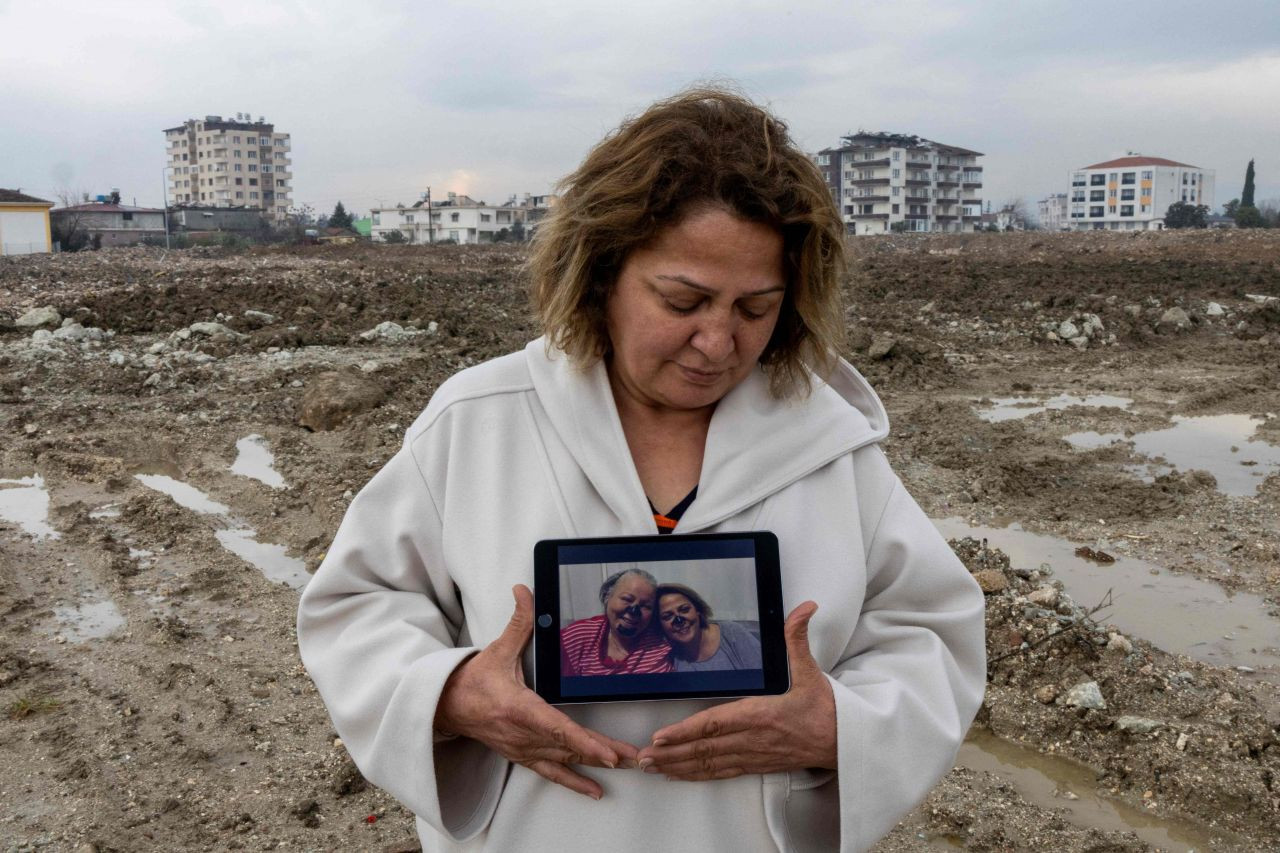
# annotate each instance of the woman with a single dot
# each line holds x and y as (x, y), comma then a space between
(688, 289)
(698, 643)
(620, 640)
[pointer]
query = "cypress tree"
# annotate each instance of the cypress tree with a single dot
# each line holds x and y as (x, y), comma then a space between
(1246, 195)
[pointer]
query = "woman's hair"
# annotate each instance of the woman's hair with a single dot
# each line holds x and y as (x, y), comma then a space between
(699, 603)
(705, 148)
(606, 588)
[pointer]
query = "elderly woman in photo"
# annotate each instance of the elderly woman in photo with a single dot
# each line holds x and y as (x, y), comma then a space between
(698, 644)
(622, 640)
(688, 286)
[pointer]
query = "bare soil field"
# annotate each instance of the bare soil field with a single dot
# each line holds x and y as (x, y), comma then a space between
(1092, 418)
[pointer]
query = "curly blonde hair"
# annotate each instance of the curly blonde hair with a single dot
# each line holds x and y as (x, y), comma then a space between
(704, 147)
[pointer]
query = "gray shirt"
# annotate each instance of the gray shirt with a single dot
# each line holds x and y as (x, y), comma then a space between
(739, 649)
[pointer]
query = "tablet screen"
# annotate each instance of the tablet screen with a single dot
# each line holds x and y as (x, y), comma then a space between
(658, 617)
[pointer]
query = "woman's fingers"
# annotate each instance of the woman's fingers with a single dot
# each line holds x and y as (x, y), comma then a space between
(713, 722)
(511, 642)
(560, 774)
(556, 731)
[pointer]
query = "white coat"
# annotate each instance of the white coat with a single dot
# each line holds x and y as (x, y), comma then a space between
(529, 447)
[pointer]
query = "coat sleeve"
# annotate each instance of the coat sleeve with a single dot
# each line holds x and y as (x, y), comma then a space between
(380, 630)
(907, 685)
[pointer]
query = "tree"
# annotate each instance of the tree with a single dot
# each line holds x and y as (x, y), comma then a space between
(1229, 209)
(340, 218)
(1246, 195)
(1183, 215)
(517, 231)
(1250, 217)
(394, 237)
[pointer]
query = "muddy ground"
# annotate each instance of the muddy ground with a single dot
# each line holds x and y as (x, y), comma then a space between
(151, 693)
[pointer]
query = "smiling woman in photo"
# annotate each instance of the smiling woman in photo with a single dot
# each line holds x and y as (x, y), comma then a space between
(698, 643)
(622, 639)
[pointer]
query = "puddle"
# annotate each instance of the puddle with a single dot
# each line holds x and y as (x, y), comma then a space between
(1203, 443)
(269, 559)
(254, 460)
(25, 502)
(1178, 613)
(1051, 782)
(91, 620)
(1013, 408)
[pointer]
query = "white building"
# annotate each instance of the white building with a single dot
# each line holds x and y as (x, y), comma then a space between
(111, 224)
(24, 224)
(457, 218)
(1054, 213)
(230, 163)
(886, 182)
(1133, 193)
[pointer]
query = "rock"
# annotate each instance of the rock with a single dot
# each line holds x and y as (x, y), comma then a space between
(859, 337)
(1213, 309)
(39, 336)
(1091, 326)
(1134, 311)
(991, 580)
(1086, 694)
(1045, 695)
(1045, 596)
(1181, 745)
(1261, 299)
(1079, 342)
(115, 358)
(334, 397)
(1119, 643)
(258, 319)
(1068, 330)
(370, 366)
(37, 317)
(388, 331)
(1174, 320)
(1138, 725)
(881, 346)
(76, 332)
(216, 331)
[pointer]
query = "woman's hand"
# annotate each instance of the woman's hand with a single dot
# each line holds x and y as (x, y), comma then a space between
(486, 699)
(760, 734)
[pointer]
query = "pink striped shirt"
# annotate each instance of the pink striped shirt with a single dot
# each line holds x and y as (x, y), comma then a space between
(584, 648)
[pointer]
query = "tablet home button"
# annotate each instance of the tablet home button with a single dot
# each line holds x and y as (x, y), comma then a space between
(545, 620)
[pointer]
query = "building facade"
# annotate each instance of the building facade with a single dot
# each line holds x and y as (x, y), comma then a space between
(456, 218)
(110, 224)
(1054, 213)
(224, 163)
(1133, 193)
(886, 182)
(24, 224)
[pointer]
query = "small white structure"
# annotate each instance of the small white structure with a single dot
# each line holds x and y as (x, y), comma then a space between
(1053, 213)
(1133, 193)
(456, 219)
(24, 224)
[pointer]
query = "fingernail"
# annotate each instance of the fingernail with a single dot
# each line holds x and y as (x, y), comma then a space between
(610, 765)
(646, 763)
(651, 770)
(660, 741)
(629, 764)
(597, 797)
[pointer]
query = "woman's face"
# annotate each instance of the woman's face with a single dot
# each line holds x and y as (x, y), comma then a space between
(629, 608)
(680, 619)
(692, 312)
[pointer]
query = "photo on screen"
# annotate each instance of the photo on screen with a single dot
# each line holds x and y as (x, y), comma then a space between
(664, 625)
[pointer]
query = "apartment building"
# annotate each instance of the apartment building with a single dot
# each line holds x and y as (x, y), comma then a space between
(1053, 213)
(456, 218)
(216, 162)
(886, 182)
(1133, 193)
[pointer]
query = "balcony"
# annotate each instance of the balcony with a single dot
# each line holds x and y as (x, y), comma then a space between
(946, 217)
(914, 163)
(867, 199)
(942, 165)
(945, 199)
(866, 164)
(948, 182)
(918, 182)
(869, 216)
(865, 182)
(917, 216)
(973, 185)
(916, 198)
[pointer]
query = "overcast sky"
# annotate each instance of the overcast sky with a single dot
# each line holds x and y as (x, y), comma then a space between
(384, 99)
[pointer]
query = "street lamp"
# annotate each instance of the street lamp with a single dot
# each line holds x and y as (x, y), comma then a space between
(164, 188)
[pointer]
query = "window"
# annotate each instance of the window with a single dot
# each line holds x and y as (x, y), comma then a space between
(1126, 210)
(1127, 177)
(1126, 195)
(239, 194)
(236, 140)
(1111, 193)
(1112, 177)
(377, 218)
(126, 216)
(896, 190)
(279, 183)
(237, 153)
(1184, 178)
(897, 173)
(1146, 176)
(408, 217)
(1077, 195)
(253, 167)
(253, 153)
(453, 217)
(239, 181)
(264, 141)
(866, 208)
(1097, 195)
(253, 195)
(266, 167)
(238, 167)
(897, 155)
(895, 208)
(253, 182)
(1193, 180)
(1184, 195)
(1077, 180)
(1097, 180)
(1146, 208)
(1095, 211)
(484, 217)
(824, 159)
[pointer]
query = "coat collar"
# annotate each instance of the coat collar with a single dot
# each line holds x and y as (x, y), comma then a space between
(756, 444)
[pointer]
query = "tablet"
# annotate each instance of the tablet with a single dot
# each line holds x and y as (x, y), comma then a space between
(658, 617)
